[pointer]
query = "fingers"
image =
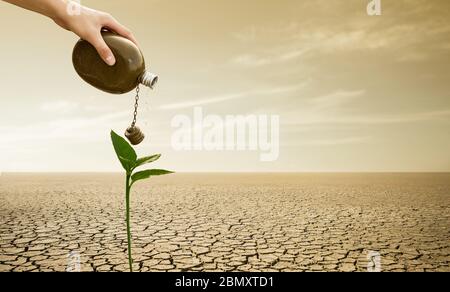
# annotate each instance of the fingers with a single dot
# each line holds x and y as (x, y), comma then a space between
(102, 48)
(93, 34)
(112, 24)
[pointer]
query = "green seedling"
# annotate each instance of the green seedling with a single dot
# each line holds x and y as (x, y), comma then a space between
(130, 162)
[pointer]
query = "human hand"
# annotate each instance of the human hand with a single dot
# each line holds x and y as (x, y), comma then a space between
(88, 23)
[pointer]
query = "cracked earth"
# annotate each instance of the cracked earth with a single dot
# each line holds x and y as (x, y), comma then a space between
(220, 222)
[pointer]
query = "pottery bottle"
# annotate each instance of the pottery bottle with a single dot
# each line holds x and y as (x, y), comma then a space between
(125, 75)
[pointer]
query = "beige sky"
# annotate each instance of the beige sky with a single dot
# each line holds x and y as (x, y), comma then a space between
(354, 93)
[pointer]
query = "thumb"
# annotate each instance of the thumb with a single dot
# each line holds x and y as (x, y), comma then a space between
(103, 50)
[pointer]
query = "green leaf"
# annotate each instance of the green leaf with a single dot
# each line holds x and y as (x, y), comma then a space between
(127, 164)
(124, 151)
(147, 159)
(147, 174)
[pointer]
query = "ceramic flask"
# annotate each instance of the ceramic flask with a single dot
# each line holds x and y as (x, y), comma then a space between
(127, 73)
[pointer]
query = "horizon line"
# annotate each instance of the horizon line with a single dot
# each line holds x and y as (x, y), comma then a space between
(234, 172)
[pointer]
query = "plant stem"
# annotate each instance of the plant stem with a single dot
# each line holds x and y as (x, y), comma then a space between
(128, 188)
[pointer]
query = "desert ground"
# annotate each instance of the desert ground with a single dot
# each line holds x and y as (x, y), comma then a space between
(226, 222)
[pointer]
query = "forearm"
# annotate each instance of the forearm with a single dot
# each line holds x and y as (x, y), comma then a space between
(55, 9)
(87, 23)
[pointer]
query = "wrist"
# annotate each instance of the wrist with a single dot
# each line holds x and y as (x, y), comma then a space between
(60, 10)
(63, 10)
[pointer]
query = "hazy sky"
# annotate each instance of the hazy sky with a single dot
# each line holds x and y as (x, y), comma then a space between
(353, 92)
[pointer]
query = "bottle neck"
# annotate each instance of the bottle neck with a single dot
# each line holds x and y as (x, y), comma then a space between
(149, 79)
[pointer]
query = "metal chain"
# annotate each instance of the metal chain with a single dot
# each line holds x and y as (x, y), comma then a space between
(136, 105)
